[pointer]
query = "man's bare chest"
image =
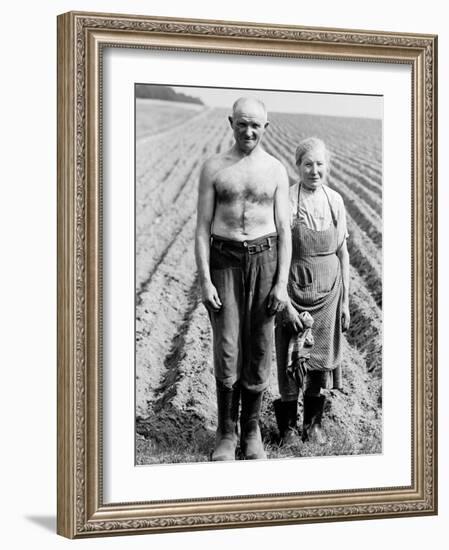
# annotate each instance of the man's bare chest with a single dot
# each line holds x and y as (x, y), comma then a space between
(249, 185)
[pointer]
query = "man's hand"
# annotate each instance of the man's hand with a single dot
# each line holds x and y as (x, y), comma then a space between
(277, 299)
(345, 317)
(210, 298)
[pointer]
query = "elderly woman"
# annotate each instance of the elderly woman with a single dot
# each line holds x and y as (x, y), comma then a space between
(318, 285)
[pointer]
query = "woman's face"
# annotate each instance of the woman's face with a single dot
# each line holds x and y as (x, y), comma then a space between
(313, 168)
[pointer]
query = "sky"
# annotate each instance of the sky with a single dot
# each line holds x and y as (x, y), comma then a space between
(350, 105)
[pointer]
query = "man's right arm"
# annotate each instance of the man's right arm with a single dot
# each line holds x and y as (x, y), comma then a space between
(205, 213)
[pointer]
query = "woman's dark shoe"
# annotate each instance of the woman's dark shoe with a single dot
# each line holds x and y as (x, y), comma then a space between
(286, 416)
(313, 415)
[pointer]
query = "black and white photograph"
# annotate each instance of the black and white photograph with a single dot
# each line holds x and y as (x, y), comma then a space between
(258, 274)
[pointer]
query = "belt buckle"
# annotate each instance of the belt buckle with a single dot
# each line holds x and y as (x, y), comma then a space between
(252, 249)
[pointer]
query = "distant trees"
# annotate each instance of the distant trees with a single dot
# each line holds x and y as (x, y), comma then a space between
(157, 91)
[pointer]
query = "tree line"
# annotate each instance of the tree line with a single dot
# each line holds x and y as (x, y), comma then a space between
(158, 91)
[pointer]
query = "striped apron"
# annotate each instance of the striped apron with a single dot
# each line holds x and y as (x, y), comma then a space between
(315, 285)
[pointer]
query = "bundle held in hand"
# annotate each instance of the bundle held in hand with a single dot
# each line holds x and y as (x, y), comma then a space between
(299, 350)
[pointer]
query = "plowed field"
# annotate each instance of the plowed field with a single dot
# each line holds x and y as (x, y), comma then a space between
(175, 387)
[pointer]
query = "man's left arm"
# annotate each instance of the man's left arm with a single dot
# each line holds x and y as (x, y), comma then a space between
(278, 298)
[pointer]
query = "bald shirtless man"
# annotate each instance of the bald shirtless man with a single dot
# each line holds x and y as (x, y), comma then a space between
(243, 252)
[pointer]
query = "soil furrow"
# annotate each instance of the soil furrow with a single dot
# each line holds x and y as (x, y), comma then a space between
(365, 331)
(374, 201)
(366, 259)
(143, 286)
(160, 313)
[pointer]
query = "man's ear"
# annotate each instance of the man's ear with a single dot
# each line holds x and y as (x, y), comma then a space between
(266, 125)
(230, 120)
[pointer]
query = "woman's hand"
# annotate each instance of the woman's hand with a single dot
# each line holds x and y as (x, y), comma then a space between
(292, 319)
(345, 317)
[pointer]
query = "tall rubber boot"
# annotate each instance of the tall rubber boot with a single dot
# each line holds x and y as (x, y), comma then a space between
(251, 438)
(313, 414)
(286, 414)
(226, 436)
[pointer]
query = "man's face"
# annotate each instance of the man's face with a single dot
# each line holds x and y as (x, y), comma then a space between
(248, 124)
(313, 168)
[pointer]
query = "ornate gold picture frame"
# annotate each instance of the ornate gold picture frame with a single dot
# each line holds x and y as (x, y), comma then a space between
(83, 511)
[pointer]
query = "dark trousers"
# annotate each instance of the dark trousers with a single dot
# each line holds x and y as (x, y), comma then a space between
(243, 274)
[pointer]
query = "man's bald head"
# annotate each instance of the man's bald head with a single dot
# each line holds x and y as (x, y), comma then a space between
(248, 123)
(249, 106)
